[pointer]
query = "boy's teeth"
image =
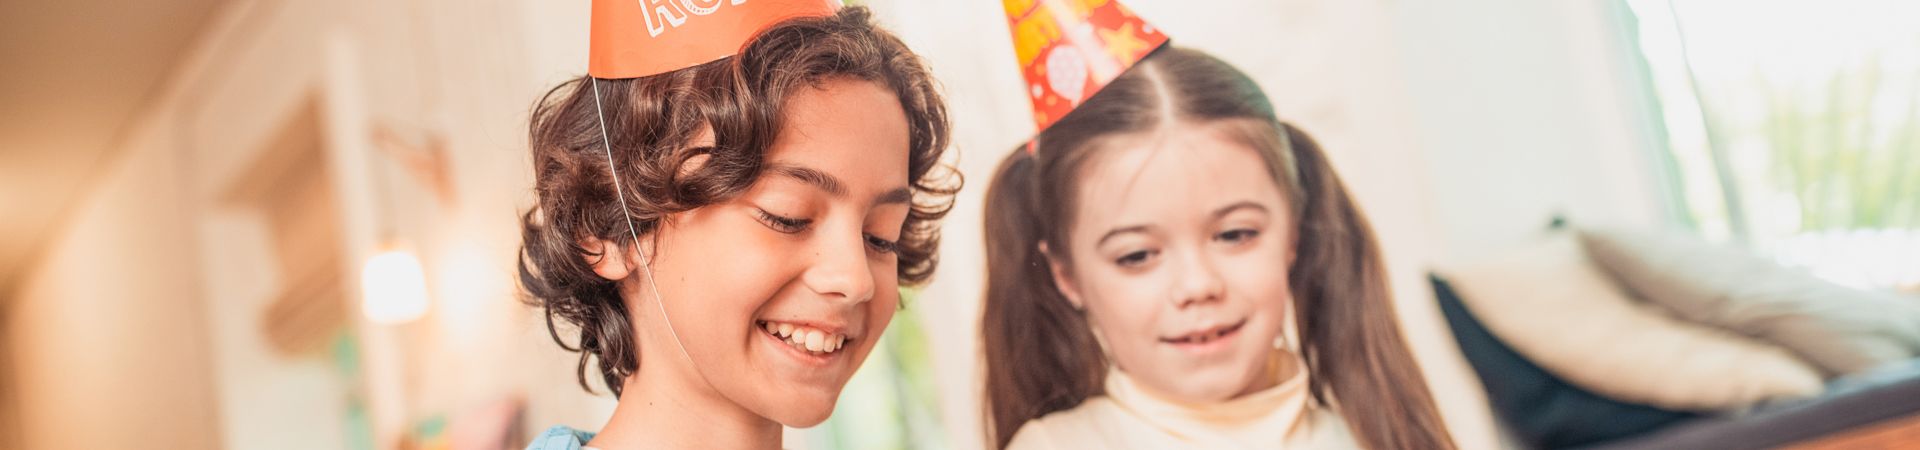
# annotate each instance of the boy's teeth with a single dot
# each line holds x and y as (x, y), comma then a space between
(806, 339)
(814, 340)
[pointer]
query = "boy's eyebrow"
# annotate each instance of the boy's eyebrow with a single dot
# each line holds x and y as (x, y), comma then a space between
(895, 195)
(832, 185)
(808, 175)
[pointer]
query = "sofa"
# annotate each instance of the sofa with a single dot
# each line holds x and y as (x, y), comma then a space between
(1607, 338)
(1879, 409)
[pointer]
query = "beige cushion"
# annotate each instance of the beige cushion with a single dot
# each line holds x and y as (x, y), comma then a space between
(1556, 308)
(1840, 329)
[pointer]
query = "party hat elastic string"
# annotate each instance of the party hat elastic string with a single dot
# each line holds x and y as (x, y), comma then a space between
(645, 261)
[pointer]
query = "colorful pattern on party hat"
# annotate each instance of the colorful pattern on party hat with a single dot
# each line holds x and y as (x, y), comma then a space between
(1069, 49)
(637, 38)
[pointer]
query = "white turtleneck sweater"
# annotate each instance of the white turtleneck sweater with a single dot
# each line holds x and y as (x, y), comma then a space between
(1130, 418)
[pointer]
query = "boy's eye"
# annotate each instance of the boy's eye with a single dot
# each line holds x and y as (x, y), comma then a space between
(782, 224)
(882, 245)
(1237, 235)
(1135, 258)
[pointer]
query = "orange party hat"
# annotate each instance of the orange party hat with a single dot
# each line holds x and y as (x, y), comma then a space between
(1069, 49)
(637, 38)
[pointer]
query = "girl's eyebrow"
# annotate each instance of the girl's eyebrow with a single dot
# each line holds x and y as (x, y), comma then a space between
(1236, 206)
(1217, 214)
(832, 185)
(1119, 231)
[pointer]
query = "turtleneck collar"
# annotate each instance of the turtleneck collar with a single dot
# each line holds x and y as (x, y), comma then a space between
(1268, 415)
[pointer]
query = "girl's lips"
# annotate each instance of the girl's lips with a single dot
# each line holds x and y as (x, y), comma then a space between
(1206, 340)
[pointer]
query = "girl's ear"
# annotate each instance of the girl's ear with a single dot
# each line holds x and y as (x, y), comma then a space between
(609, 260)
(1062, 280)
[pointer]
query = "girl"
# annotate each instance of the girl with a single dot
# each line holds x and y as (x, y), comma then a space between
(727, 253)
(1171, 266)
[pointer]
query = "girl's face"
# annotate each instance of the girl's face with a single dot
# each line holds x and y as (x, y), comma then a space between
(778, 294)
(1180, 248)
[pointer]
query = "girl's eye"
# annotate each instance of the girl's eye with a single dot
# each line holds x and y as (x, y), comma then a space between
(1135, 258)
(882, 246)
(782, 224)
(1237, 235)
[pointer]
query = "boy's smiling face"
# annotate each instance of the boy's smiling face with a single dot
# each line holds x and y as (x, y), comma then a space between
(779, 294)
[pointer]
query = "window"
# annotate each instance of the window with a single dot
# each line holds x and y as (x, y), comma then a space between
(1793, 127)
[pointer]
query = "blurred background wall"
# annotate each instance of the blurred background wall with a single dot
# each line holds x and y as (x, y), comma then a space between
(195, 192)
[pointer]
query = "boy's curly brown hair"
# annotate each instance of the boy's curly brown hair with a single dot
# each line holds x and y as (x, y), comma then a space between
(651, 123)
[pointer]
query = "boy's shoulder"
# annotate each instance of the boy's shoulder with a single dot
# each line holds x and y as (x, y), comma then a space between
(560, 437)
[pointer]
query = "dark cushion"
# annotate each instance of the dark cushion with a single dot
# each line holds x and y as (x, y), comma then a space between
(1540, 409)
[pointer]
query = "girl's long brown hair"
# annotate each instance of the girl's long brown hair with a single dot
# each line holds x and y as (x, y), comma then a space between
(1041, 353)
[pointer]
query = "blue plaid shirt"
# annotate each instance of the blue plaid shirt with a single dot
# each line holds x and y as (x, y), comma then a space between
(560, 438)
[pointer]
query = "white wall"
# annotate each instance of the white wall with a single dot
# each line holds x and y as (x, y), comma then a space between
(107, 332)
(1523, 111)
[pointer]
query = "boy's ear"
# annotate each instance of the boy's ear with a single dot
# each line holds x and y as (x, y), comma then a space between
(1062, 280)
(693, 163)
(702, 138)
(609, 260)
